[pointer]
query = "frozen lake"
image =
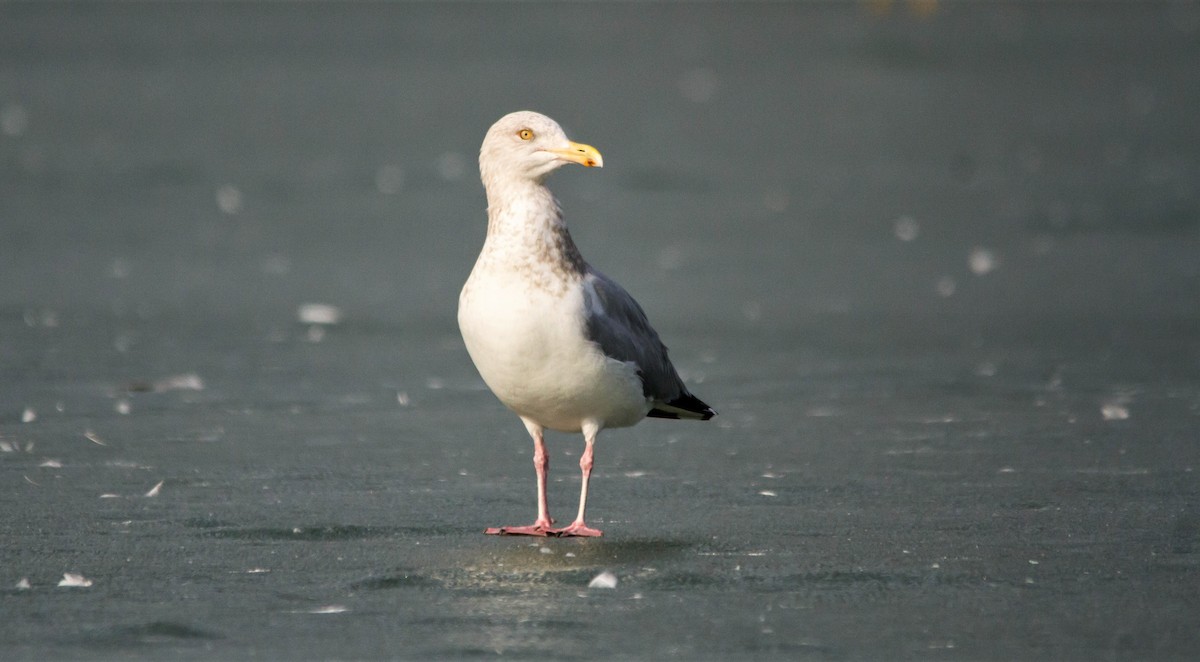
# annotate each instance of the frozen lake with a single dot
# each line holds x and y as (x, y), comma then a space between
(937, 267)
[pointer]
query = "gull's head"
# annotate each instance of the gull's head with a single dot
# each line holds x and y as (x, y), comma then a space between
(528, 146)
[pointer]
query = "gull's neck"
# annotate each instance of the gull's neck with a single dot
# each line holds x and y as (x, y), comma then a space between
(526, 229)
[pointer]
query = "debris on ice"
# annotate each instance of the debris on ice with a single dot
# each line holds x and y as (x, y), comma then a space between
(330, 609)
(982, 261)
(73, 579)
(319, 313)
(188, 381)
(1114, 411)
(605, 579)
(906, 228)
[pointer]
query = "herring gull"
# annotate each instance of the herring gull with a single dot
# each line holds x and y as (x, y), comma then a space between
(559, 343)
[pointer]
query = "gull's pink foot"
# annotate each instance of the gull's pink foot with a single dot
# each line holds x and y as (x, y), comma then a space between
(539, 528)
(577, 529)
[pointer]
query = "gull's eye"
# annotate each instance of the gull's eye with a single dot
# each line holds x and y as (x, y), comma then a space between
(525, 134)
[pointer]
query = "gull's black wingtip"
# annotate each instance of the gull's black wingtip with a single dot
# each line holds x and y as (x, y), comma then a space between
(685, 406)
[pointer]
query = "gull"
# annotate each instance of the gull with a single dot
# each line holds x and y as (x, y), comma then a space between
(559, 343)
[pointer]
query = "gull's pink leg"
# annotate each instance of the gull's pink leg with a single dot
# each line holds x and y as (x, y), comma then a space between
(578, 527)
(541, 464)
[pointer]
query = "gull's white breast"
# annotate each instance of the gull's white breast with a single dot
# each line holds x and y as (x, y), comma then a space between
(529, 345)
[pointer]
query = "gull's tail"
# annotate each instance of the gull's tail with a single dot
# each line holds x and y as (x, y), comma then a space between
(685, 406)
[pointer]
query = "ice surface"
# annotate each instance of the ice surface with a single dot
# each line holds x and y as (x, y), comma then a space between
(185, 177)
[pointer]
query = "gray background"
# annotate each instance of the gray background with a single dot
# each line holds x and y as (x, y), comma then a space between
(935, 265)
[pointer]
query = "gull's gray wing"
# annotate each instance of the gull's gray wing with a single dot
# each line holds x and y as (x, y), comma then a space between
(618, 325)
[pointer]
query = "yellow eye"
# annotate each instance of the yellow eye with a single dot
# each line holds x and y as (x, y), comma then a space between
(525, 134)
